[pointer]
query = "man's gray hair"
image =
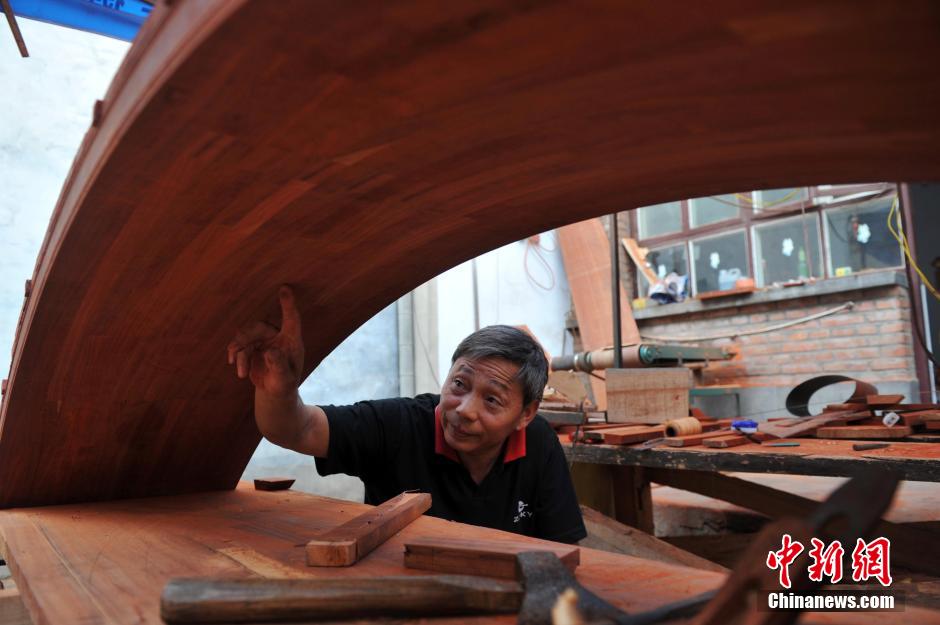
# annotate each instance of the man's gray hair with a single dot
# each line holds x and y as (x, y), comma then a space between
(517, 347)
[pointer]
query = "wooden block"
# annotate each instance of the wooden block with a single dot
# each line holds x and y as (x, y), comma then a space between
(273, 483)
(863, 431)
(932, 425)
(843, 407)
(693, 439)
(478, 557)
(630, 435)
(651, 395)
(883, 401)
(350, 542)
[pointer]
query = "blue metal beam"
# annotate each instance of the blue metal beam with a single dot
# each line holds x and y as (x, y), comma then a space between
(120, 19)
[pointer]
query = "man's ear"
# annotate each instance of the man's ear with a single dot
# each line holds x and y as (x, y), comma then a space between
(528, 413)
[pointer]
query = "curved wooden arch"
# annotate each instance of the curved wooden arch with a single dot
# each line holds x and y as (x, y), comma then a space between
(356, 150)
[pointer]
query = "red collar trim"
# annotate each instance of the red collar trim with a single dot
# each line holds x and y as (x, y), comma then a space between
(515, 446)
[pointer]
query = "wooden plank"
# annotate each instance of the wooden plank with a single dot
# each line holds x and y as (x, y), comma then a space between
(208, 600)
(50, 575)
(353, 540)
(693, 439)
(607, 534)
(585, 252)
(745, 290)
(806, 425)
(491, 558)
(883, 401)
(418, 141)
(651, 395)
(273, 483)
(912, 461)
(911, 547)
(733, 440)
(630, 435)
(638, 255)
(864, 431)
(124, 552)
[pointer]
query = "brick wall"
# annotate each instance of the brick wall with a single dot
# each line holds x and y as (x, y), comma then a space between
(872, 341)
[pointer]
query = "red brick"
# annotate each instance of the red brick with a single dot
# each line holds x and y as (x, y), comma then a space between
(865, 305)
(892, 314)
(817, 334)
(885, 328)
(882, 364)
(844, 331)
(902, 351)
(887, 303)
(797, 347)
(801, 367)
(776, 316)
(846, 365)
(758, 318)
(866, 329)
(797, 336)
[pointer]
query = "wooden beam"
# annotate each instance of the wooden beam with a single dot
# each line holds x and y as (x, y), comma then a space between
(12, 610)
(353, 540)
(913, 548)
(607, 534)
(478, 557)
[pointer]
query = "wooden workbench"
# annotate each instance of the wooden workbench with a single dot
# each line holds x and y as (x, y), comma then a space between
(918, 462)
(108, 562)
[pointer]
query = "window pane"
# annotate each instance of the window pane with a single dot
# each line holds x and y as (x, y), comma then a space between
(858, 237)
(708, 210)
(771, 199)
(781, 253)
(664, 260)
(717, 262)
(659, 219)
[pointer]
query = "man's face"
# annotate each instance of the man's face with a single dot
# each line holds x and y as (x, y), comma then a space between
(481, 405)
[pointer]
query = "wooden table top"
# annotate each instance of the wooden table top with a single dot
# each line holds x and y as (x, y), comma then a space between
(108, 562)
(913, 461)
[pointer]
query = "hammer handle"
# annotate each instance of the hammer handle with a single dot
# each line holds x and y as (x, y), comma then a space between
(202, 600)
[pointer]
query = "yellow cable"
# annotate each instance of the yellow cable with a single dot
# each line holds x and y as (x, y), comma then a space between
(748, 200)
(901, 238)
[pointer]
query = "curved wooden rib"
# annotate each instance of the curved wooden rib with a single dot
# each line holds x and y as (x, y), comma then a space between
(356, 150)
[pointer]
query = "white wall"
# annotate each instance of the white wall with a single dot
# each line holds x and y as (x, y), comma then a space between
(46, 102)
(507, 294)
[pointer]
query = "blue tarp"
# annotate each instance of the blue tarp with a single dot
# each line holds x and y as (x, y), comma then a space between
(120, 19)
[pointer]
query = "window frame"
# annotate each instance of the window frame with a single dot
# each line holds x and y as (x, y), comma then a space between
(818, 199)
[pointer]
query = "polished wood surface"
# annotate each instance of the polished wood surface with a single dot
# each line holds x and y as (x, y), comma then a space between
(108, 562)
(355, 150)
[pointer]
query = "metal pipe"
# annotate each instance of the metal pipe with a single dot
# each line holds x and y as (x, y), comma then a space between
(615, 290)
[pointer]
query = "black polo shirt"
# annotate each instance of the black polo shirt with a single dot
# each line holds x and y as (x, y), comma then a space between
(395, 445)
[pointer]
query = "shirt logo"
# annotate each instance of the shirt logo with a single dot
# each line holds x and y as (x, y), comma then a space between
(521, 511)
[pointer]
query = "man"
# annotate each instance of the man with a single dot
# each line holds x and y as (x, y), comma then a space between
(478, 448)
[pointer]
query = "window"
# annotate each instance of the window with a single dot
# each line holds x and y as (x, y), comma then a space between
(718, 261)
(709, 210)
(664, 260)
(774, 235)
(858, 238)
(777, 199)
(787, 249)
(659, 219)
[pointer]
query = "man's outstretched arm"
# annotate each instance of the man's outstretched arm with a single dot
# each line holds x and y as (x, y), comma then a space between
(273, 360)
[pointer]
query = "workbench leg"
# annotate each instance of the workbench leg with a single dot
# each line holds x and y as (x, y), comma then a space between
(633, 501)
(620, 492)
